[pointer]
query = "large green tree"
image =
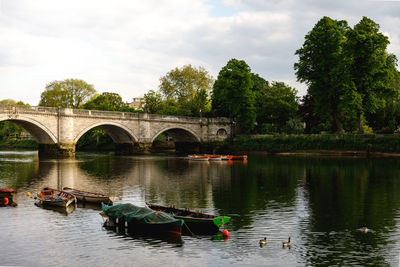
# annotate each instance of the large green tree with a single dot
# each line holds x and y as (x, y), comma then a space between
(373, 69)
(232, 95)
(69, 93)
(323, 67)
(189, 87)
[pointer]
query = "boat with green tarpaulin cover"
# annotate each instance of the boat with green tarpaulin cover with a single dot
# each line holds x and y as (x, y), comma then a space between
(195, 222)
(142, 219)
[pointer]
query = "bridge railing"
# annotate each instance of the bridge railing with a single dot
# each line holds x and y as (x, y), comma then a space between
(112, 114)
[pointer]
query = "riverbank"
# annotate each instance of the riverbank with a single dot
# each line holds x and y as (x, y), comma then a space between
(342, 145)
(19, 143)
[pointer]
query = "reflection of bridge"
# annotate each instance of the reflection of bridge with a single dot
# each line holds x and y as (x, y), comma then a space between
(57, 130)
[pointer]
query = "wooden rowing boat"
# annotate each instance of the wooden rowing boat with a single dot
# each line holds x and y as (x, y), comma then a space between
(214, 157)
(195, 222)
(54, 197)
(88, 197)
(198, 157)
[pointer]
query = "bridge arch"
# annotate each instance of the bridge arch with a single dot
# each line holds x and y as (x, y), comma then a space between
(40, 132)
(179, 134)
(118, 132)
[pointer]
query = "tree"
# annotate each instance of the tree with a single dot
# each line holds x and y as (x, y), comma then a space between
(70, 93)
(189, 87)
(106, 101)
(276, 104)
(232, 96)
(372, 68)
(324, 68)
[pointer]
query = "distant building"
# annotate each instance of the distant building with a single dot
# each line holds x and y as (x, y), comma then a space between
(138, 103)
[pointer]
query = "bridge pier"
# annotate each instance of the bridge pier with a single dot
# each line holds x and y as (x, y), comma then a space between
(62, 150)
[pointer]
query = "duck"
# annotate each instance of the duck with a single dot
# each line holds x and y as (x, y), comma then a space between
(286, 244)
(263, 242)
(364, 229)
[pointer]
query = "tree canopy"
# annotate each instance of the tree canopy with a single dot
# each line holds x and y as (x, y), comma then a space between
(232, 96)
(107, 101)
(349, 73)
(189, 87)
(322, 66)
(69, 93)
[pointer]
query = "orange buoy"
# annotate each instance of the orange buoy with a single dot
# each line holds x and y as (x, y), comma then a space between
(225, 233)
(6, 201)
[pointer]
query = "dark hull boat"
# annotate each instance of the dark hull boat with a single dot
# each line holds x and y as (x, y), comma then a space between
(141, 220)
(88, 197)
(195, 222)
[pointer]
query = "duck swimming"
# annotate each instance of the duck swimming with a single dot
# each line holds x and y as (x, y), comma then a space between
(364, 229)
(286, 244)
(263, 242)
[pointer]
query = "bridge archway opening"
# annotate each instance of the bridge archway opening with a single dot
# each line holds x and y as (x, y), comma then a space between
(176, 139)
(103, 137)
(29, 129)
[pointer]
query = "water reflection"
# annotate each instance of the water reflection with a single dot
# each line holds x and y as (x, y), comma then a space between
(319, 202)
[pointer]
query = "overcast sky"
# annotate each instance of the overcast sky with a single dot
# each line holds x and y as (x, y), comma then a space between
(126, 46)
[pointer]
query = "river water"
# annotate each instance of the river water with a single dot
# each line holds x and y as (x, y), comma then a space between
(319, 202)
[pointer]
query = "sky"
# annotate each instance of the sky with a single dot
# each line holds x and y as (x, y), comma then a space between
(125, 47)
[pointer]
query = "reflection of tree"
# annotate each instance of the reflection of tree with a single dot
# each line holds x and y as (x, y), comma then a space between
(344, 194)
(16, 169)
(254, 186)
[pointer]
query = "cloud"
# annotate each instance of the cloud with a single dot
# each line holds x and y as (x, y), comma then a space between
(126, 46)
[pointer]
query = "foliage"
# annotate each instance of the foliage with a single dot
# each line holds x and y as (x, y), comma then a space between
(276, 104)
(372, 68)
(188, 88)
(292, 143)
(232, 95)
(294, 126)
(323, 67)
(95, 139)
(107, 101)
(69, 93)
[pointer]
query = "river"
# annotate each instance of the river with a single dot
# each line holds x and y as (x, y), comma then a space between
(320, 202)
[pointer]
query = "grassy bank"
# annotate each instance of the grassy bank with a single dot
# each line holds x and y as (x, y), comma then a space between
(18, 143)
(301, 143)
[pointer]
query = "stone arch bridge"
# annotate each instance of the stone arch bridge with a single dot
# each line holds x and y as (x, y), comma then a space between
(57, 130)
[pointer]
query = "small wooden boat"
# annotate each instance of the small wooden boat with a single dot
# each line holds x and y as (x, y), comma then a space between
(242, 157)
(54, 197)
(195, 222)
(6, 197)
(214, 157)
(141, 219)
(88, 197)
(226, 157)
(198, 157)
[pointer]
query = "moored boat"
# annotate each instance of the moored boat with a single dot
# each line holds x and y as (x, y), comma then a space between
(54, 197)
(88, 197)
(6, 197)
(142, 219)
(195, 222)
(198, 157)
(214, 157)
